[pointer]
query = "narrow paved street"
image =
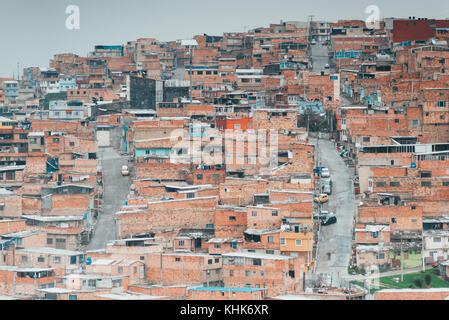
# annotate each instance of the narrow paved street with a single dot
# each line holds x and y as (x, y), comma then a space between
(334, 244)
(115, 193)
(320, 56)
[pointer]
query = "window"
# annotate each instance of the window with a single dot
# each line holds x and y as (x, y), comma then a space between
(393, 220)
(396, 120)
(217, 246)
(426, 184)
(71, 143)
(180, 242)
(199, 176)
(10, 175)
(446, 183)
(209, 261)
(374, 235)
(248, 273)
(177, 259)
(274, 213)
(233, 245)
(40, 259)
(270, 239)
(49, 241)
(283, 242)
(135, 270)
(236, 126)
(55, 140)
(120, 269)
(257, 262)
(437, 239)
(441, 103)
(415, 123)
(254, 213)
(380, 256)
(380, 184)
(73, 260)
(269, 251)
(298, 242)
(56, 259)
(217, 260)
(394, 184)
(426, 174)
(24, 259)
(366, 139)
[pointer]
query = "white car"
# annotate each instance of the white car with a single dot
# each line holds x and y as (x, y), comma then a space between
(325, 173)
(125, 171)
(326, 66)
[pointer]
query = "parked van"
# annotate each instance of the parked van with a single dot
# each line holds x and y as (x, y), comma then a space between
(326, 186)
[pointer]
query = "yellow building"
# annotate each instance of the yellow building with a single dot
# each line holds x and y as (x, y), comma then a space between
(296, 239)
(6, 123)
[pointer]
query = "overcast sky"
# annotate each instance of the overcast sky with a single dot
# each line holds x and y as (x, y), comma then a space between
(32, 31)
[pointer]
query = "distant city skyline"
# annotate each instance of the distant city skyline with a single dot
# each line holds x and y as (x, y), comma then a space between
(33, 31)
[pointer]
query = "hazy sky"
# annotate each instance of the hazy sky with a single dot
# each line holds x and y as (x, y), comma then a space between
(32, 31)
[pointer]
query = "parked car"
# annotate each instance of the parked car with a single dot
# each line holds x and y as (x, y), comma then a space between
(318, 169)
(125, 170)
(326, 186)
(325, 213)
(325, 173)
(327, 220)
(313, 41)
(322, 198)
(326, 66)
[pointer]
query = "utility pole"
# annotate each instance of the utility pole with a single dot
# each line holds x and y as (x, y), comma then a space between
(422, 252)
(402, 263)
(190, 73)
(310, 26)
